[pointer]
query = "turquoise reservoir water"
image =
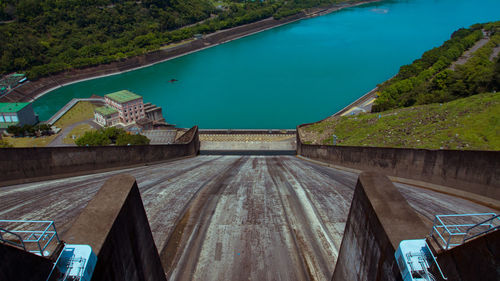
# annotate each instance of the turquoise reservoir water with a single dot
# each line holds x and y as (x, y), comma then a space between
(298, 73)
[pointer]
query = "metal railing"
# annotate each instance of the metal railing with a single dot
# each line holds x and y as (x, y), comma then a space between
(35, 236)
(451, 234)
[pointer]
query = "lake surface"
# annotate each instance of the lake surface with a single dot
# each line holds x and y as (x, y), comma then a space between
(298, 73)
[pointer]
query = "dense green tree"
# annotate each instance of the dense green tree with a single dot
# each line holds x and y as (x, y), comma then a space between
(30, 130)
(50, 36)
(110, 135)
(93, 138)
(430, 78)
(126, 139)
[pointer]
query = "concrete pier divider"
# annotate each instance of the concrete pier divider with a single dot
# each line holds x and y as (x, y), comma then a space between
(379, 218)
(121, 237)
(476, 172)
(21, 165)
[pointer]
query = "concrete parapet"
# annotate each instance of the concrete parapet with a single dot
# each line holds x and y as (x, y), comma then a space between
(476, 172)
(115, 225)
(21, 165)
(379, 218)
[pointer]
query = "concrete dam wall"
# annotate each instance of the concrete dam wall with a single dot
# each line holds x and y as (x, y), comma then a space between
(476, 172)
(21, 165)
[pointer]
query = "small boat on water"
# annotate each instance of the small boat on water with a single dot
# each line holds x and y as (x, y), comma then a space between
(173, 80)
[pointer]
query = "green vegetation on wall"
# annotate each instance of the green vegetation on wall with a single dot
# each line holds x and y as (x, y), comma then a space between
(42, 37)
(430, 79)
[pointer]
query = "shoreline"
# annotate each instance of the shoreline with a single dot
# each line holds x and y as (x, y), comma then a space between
(35, 89)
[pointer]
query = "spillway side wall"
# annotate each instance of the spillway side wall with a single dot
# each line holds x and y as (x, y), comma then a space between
(21, 165)
(477, 172)
(379, 218)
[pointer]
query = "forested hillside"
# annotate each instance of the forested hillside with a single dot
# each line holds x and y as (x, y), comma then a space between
(448, 99)
(434, 77)
(41, 37)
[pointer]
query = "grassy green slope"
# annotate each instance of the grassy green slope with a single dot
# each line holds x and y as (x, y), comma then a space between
(471, 123)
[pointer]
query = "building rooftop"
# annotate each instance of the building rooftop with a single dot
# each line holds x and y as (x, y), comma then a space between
(123, 96)
(106, 110)
(12, 107)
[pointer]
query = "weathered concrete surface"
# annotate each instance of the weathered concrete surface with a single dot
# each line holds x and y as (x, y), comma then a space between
(475, 172)
(242, 140)
(247, 145)
(115, 225)
(19, 165)
(478, 259)
(239, 217)
(379, 219)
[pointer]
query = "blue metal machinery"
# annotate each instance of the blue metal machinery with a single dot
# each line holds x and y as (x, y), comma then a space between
(34, 236)
(414, 257)
(75, 262)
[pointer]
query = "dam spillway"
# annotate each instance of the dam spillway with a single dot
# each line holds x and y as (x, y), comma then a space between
(265, 217)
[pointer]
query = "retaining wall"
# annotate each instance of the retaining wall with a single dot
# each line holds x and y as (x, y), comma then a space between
(21, 165)
(379, 218)
(121, 237)
(476, 172)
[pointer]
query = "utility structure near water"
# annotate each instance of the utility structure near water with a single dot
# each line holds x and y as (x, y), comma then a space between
(126, 108)
(122, 107)
(16, 114)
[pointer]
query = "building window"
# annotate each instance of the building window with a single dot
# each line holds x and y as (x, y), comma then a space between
(7, 119)
(1, 119)
(14, 119)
